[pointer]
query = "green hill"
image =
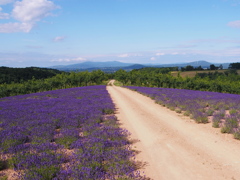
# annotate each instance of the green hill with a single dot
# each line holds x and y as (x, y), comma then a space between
(16, 75)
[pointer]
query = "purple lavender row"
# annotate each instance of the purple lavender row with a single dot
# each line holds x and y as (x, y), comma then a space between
(64, 134)
(222, 109)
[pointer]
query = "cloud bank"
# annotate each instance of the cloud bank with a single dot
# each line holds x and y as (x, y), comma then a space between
(27, 13)
(79, 59)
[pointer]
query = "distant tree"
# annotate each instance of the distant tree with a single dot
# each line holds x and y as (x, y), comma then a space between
(221, 66)
(234, 66)
(189, 68)
(17, 75)
(213, 67)
(199, 68)
(121, 75)
(183, 69)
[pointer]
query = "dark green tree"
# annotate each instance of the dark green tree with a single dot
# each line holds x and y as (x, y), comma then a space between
(189, 68)
(234, 66)
(213, 67)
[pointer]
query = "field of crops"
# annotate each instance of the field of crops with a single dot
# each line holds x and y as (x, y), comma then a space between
(63, 134)
(222, 109)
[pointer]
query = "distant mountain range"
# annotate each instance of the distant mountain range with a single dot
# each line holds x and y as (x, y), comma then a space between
(112, 66)
(91, 64)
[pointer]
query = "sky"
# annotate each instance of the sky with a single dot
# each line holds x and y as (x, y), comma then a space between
(45, 33)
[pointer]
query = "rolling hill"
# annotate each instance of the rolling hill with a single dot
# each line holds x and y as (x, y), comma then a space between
(112, 66)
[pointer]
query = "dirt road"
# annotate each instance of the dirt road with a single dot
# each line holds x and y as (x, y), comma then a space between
(174, 146)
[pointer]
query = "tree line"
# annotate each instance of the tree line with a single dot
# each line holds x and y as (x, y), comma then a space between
(227, 82)
(17, 75)
(211, 67)
(59, 81)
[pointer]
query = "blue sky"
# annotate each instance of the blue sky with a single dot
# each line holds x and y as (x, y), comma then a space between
(58, 32)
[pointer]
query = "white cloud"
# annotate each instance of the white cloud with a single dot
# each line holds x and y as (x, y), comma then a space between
(58, 38)
(79, 59)
(27, 12)
(61, 60)
(152, 58)
(4, 15)
(124, 55)
(2, 2)
(129, 55)
(15, 27)
(234, 24)
(160, 54)
(32, 10)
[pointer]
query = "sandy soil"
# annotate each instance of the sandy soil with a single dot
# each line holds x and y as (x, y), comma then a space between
(174, 146)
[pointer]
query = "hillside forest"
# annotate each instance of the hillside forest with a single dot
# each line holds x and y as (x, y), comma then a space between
(16, 81)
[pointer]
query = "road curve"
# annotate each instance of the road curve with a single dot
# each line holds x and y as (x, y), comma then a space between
(173, 146)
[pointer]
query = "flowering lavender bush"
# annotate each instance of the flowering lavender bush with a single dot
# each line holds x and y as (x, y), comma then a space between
(64, 134)
(221, 108)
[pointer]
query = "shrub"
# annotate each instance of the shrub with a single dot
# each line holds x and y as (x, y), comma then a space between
(237, 135)
(232, 111)
(210, 112)
(216, 120)
(186, 113)
(225, 129)
(178, 110)
(108, 111)
(3, 165)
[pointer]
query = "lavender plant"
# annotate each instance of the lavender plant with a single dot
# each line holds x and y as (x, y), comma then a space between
(231, 124)
(216, 120)
(220, 108)
(64, 134)
(237, 134)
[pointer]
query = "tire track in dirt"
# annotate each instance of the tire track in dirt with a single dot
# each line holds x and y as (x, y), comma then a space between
(173, 146)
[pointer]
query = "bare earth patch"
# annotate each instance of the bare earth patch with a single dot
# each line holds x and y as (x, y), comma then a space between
(172, 146)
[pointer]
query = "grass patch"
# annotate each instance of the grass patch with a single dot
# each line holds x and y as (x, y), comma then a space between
(108, 111)
(226, 129)
(215, 124)
(186, 113)
(202, 119)
(66, 141)
(178, 111)
(118, 83)
(4, 178)
(236, 135)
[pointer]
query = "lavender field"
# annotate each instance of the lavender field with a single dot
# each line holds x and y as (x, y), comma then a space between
(221, 109)
(63, 134)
